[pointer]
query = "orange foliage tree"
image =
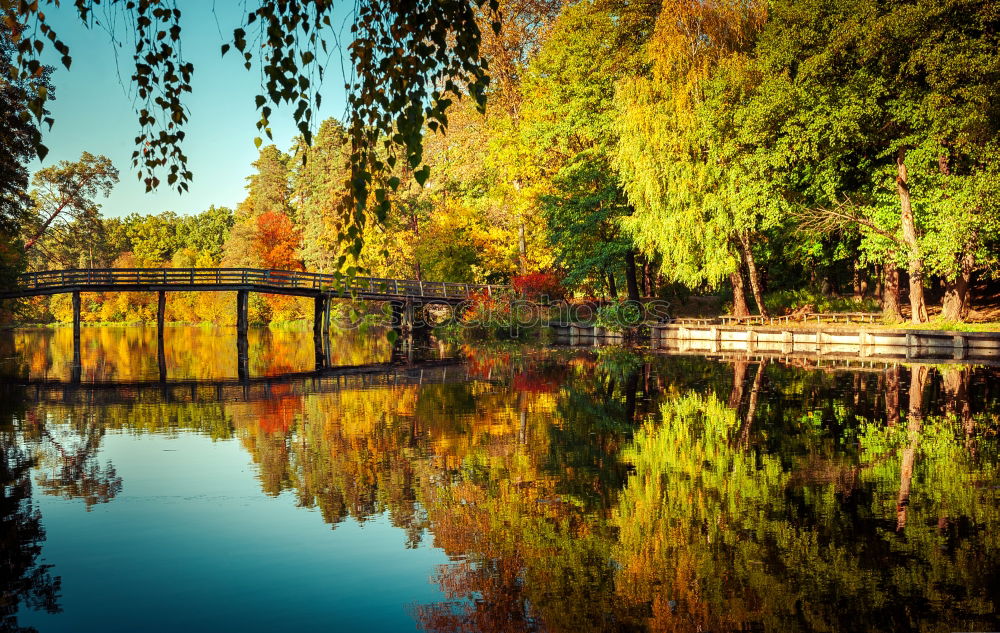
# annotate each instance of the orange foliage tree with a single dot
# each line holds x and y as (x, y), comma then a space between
(277, 241)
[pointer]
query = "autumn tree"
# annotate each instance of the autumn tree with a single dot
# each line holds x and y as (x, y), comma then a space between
(269, 191)
(693, 176)
(568, 115)
(277, 241)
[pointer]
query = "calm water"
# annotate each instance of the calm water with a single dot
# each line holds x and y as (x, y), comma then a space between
(505, 488)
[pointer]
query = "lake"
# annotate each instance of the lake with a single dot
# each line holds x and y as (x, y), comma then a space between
(500, 487)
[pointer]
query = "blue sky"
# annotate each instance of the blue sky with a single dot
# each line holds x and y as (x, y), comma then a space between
(94, 112)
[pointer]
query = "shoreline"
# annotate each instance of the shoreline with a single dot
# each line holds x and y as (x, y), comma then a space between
(858, 342)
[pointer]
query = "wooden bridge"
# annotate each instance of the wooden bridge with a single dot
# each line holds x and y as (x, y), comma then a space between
(285, 282)
(404, 295)
(322, 287)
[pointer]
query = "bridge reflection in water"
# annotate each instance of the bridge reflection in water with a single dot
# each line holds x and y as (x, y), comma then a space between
(323, 381)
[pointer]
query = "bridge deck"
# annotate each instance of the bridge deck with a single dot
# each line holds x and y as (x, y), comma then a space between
(285, 282)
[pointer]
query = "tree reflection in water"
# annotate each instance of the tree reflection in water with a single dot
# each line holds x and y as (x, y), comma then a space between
(25, 581)
(67, 459)
(619, 491)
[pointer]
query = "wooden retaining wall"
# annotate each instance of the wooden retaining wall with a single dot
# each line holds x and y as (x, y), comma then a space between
(872, 343)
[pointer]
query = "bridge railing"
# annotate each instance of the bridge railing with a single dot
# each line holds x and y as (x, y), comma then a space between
(279, 279)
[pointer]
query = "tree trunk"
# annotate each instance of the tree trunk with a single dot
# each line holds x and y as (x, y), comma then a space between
(739, 297)
(640, 264)
(956, 294)
(739, 377)
(825, 287)
(522, 249)
(918, 307)
(915, 415)
(64, 202)
(612, 287)
(648, 282)
(415, 227)
(755, 285)
(956, 388)
(752, 405)
(858, 281)
(890, 294)
(892, 396)
(878, 281)
(631, 280)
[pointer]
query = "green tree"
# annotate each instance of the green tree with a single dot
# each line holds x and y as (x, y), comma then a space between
(82, 243)
(693, 159)
(269, 187)
(894, 123)
(19, 142)
(64, 194)
(568, 117)
(318, 178)
(205, 233)
(153, 238)
(269, 191)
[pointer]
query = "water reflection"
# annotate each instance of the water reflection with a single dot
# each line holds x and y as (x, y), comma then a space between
(121, 353)
(606, 490)
(26, 582)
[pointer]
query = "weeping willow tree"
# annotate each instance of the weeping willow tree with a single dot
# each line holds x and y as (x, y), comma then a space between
(700, 201)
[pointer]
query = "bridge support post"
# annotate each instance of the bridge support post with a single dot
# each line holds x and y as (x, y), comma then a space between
(326, 318)
(420, 322)
(321, 328)
(404, 314)
(77, 359)
(161, 357)
(397, 315)
(242, 326)
(321, 310)
(76, 315)
(161, 308)
(242, 359)
(242, 312)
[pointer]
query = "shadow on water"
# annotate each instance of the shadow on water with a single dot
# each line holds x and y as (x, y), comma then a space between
(572, 490)
(26, 582)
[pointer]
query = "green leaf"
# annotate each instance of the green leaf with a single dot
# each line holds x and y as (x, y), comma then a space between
(422, 174)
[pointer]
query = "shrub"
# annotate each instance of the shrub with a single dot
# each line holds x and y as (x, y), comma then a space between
(778, 302)
(488, 311)
(539, 286)
(617, 317)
